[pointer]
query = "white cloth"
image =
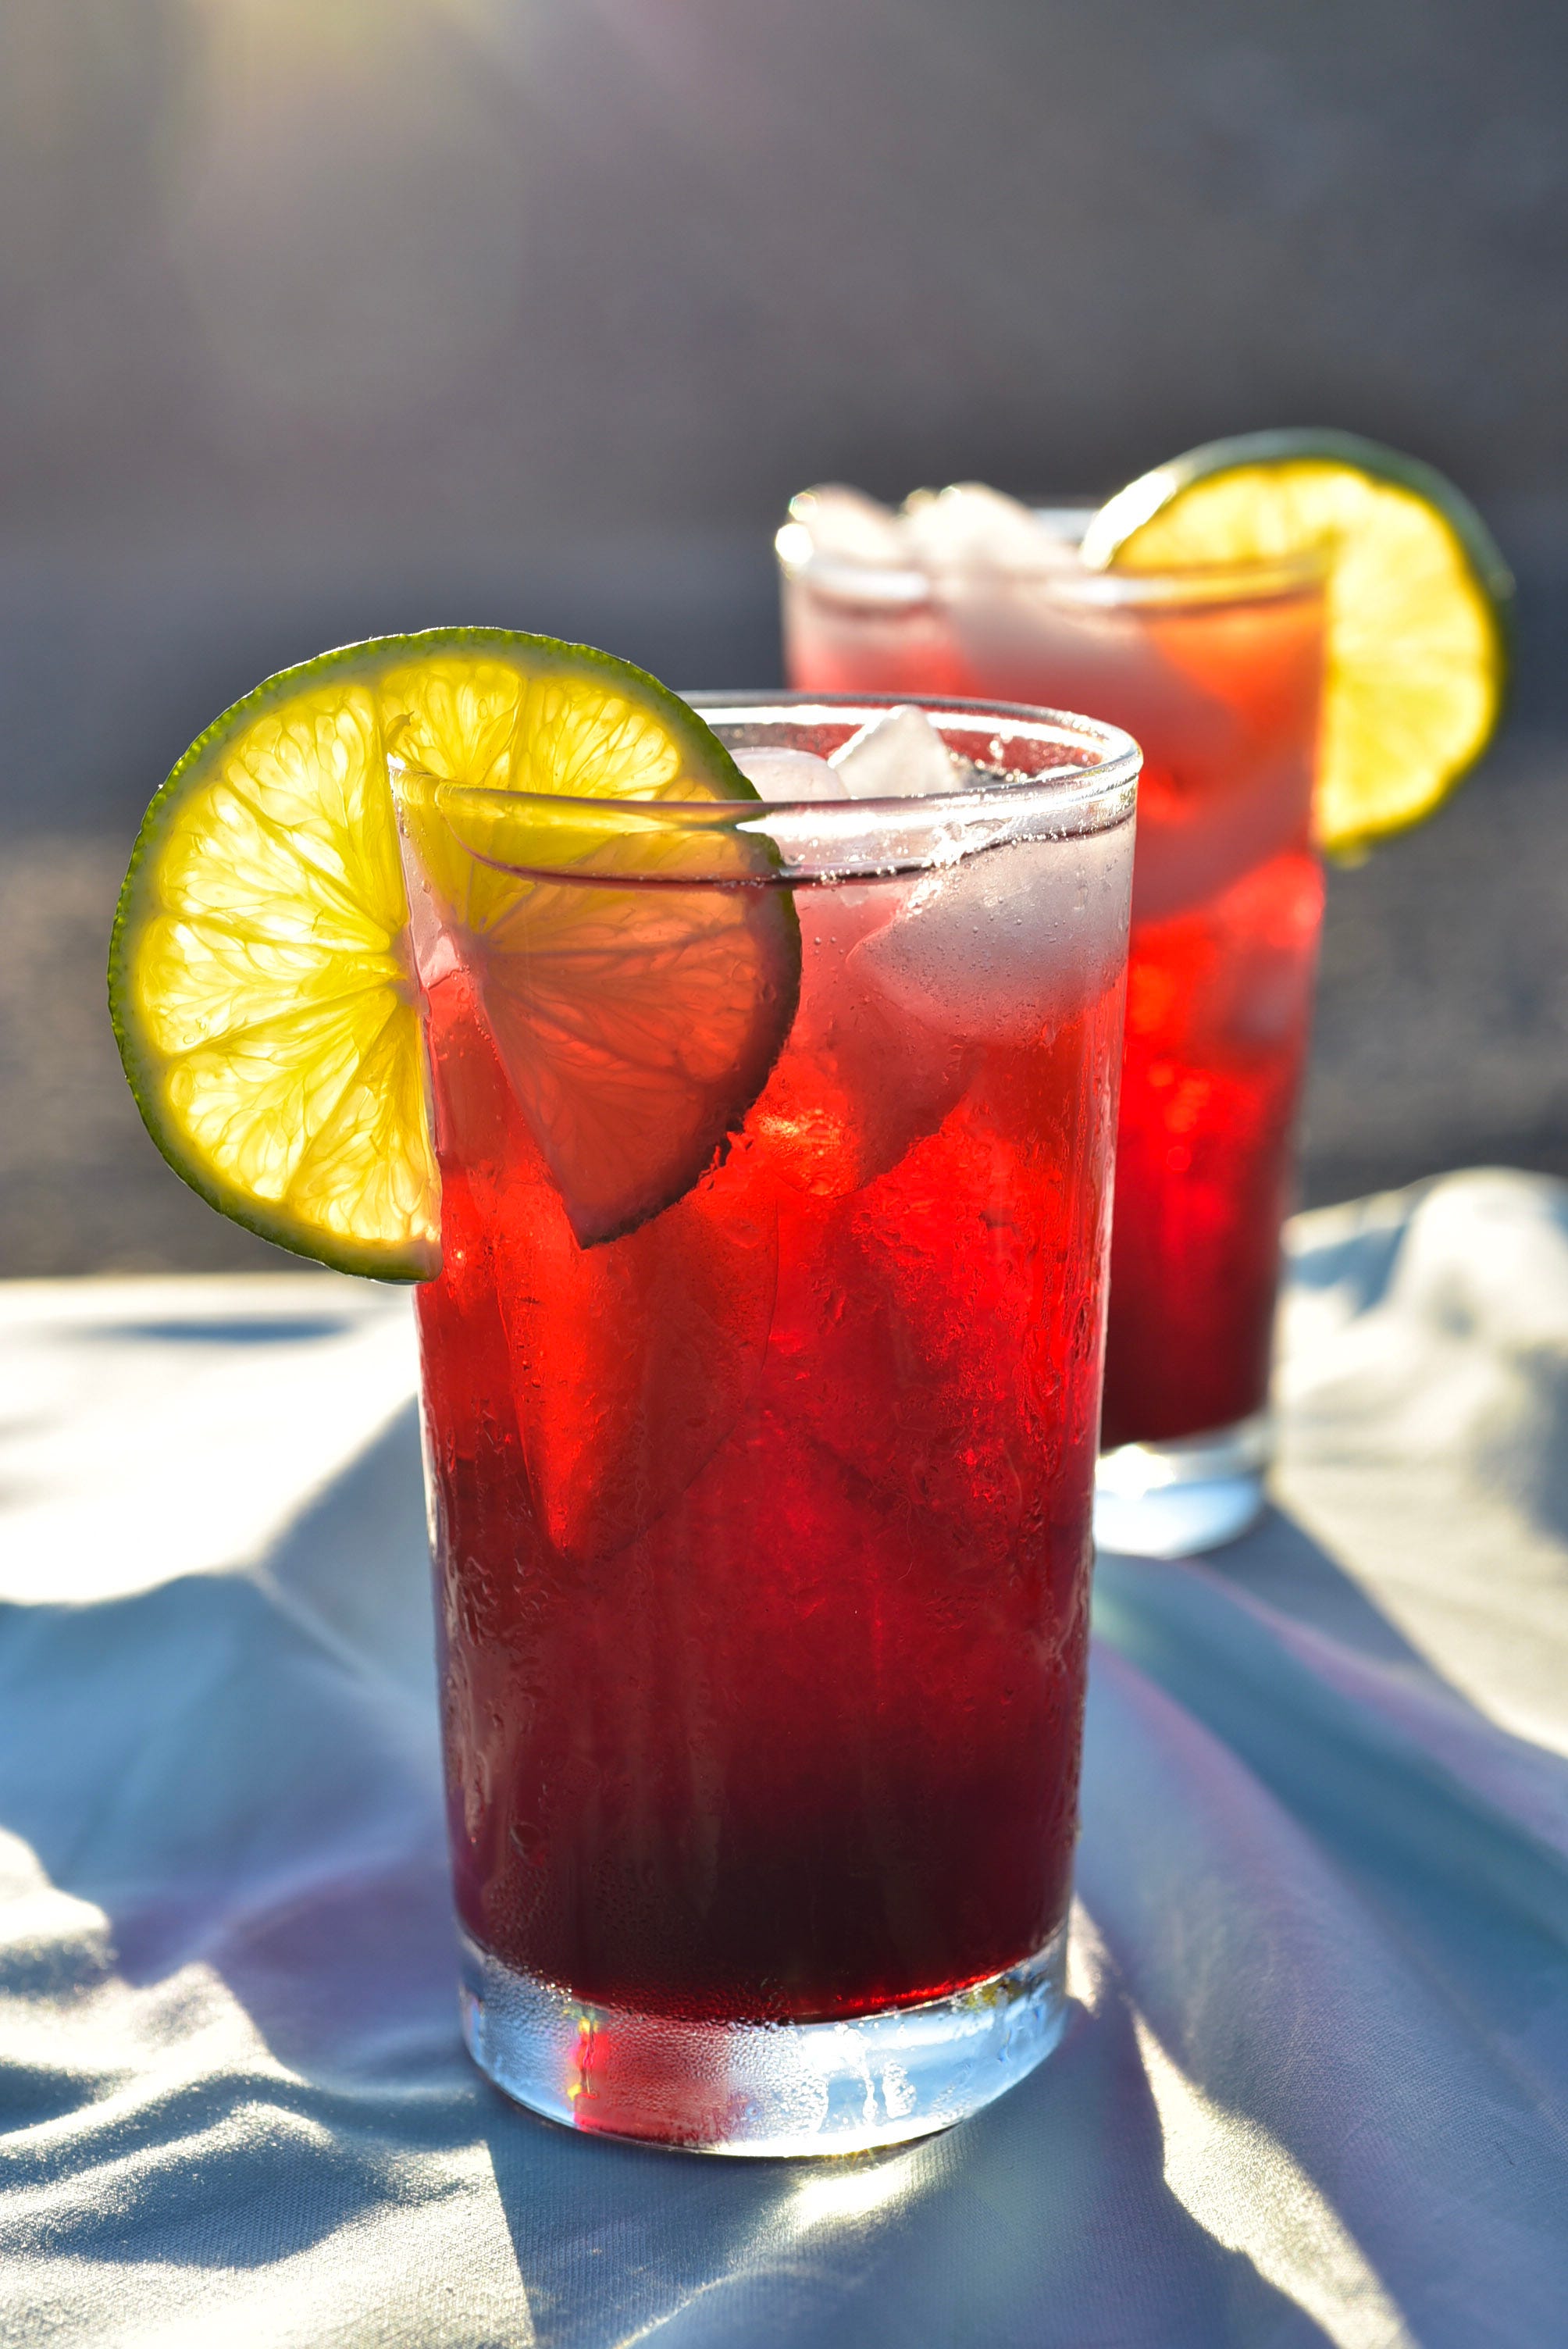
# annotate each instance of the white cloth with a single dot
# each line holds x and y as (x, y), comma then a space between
(1315, 2084)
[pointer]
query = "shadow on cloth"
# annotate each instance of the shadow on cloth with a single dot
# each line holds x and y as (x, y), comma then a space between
(1345, 1946)
(205, 1329)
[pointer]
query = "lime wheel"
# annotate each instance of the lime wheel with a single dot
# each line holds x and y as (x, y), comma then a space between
(1416, 592)
(261, 975)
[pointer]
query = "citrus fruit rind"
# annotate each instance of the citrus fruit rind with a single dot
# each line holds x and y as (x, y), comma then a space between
(261, 978)
(1417, 590)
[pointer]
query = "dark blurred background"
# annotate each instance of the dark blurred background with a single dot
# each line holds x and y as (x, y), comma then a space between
(325, 317)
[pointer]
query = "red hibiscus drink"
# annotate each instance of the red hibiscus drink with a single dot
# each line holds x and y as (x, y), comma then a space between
(762, 1385)
(1219, 677)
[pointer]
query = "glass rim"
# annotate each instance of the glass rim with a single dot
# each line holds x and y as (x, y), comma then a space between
(816, 843)
(903, 586)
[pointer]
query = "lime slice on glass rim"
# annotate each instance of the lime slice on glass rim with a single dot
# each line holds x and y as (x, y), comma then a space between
(1417, 593)
(262, 978)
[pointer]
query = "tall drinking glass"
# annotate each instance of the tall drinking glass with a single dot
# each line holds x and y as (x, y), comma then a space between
(761, 1532)
(1217, 675)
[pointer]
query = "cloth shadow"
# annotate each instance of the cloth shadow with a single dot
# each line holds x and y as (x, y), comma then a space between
(235, 1330)
(1300, 1842)
(1382, 1784)
(244, 1842)
(243, 1769)
(1289, 1570)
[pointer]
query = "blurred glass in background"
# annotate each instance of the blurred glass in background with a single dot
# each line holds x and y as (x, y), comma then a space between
(325, 317)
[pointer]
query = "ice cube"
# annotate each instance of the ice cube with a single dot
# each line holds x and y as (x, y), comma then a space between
(861, 1082)
(779, 774)
(899, 755)
(1009, 943)
(783, 775)
(844, 525)
(967, 527)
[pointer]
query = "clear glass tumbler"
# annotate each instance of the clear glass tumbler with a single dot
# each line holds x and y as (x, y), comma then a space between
(1218, 674)
(761, 1532)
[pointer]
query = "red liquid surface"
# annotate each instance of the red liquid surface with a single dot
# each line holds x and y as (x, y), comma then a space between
(762, 1532)
(1227, 906)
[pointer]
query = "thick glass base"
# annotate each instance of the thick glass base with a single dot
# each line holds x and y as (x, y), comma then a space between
(1192, 1494)
(761, 2088)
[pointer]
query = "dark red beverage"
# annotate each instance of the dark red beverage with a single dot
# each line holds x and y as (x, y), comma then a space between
(1218, 1015)
(762, 1531)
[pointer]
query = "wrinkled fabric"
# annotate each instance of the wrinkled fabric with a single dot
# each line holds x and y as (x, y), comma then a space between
(1315, 2085)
